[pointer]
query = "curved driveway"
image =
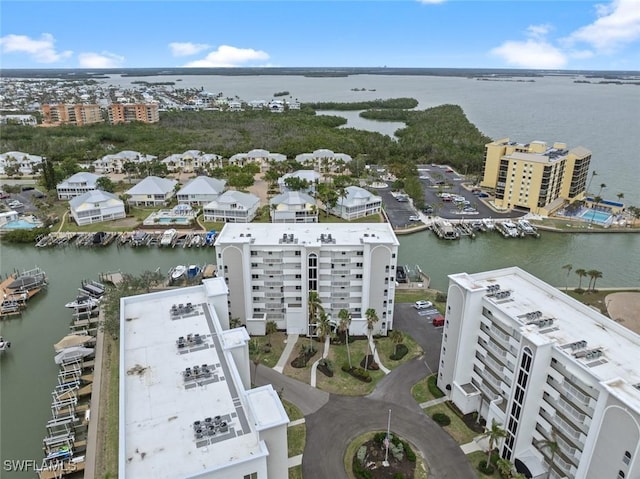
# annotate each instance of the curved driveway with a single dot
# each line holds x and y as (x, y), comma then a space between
(333, 421)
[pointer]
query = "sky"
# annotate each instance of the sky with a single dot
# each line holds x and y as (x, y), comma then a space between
(536, 34)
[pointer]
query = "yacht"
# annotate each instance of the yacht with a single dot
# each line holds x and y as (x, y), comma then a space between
(167, 237)
(488, 223)
(83, 303)
(177, 272)
(526, 227)
(4, 345)
(510, 229)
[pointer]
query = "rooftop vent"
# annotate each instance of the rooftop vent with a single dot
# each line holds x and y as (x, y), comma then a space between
(576, 345)
(179, 309)
(493, 288)
(589, 354)
(210, 426)
(197, 372)
(502, 294)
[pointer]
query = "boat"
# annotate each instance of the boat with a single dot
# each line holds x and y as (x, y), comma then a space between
(196, 241)
(167, 237)
(72, 353)
(83, 303)
(9, 307)
(93, 288)
(28, 281)
(488, 223)
(177, 272)
(4, 344)
(193, 270)
(210, 238)
(510, 229)
(139, 238)
(73, 340)
(527, 228)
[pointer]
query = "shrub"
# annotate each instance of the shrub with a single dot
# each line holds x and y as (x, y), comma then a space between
(398, 475)
(326, 367)
(441, 419)
(485, 468)
(371, 364)
(433, 387)
(441, 297)
(361, 454)
(400, 352)
(411, 456)
(379, 437)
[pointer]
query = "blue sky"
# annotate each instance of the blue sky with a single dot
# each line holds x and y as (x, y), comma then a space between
(544, 34)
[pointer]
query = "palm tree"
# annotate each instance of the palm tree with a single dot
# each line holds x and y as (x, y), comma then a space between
(494, 434)
(343, 326)
(594, 275)
(372, 319)
(553, 447)
(396, 338)
(315, 306)
(581, 273)
(270, 328)
(620, 196)
(602, 187)
(568, 267)
(505, 468)
(324, 325)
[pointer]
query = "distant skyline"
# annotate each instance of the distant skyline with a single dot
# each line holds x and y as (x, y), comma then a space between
(537, 34)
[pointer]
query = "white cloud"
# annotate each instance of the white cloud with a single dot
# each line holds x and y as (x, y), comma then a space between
(228, 56)
(431, 1)
(100, 60)
(183, 49)
(532, 53)
(618, 23)
(40, 50)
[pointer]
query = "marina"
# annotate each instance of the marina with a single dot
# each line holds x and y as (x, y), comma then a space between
(167, 239)
(18, 288)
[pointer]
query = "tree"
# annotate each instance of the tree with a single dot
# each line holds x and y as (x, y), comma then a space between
(568, 267)
(372, 318)
(620, 196)
(581, 274)
(343, 326)
(594, 275)
(505, 468)
(104, 183)
(270, 328)
(602, 187)
(397, 338)
(315, 306)
(293, 183)
(494, 434)
(552, 446)
(124, 197)
(324, 325)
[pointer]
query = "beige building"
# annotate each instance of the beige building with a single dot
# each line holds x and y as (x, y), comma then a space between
(126, 113)
(535, 176)
(68, 114)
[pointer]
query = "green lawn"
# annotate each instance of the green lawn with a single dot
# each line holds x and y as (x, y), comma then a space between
(296, 438)
(323, 218)
(292, 410)
(457, 429)
(475, 458)
(268, 355)
(386, 348)
(411, 296)
(295, 472)
(421, 392)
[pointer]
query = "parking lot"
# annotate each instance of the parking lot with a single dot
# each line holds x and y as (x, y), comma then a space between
(398, 212)
(25, 199)
(418, 325)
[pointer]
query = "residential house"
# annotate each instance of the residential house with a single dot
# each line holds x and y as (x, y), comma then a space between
(324, 161)
(293, 207)
(96, 206)
(116, 163)
(232, 207)
(262, 157)
(152, 191)
(201, 191)
(191, 160)
(356, 203)
(23, 162)
(77, 185)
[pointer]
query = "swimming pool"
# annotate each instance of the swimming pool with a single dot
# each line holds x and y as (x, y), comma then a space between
(19, 225)
(174, 220)
(594, 216)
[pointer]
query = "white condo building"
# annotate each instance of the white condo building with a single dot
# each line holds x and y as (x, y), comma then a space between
(271, 268)
(562, 379)
(186, 405)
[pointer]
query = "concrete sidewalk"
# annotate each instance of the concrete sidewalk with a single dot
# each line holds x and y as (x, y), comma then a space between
(292, 339)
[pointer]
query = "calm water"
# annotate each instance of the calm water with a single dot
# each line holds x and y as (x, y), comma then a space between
(603, 118)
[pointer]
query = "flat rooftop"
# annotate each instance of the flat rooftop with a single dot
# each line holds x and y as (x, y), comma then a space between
(161, 402)
(575, 328)
(272, 234)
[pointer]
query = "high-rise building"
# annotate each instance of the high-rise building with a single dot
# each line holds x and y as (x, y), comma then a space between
(70, 114)
(535, 176)
(128, 112)
(560, 378)
(186, 404)
(271, 269)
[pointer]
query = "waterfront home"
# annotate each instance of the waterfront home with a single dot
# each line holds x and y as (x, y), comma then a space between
(201, 190)
(77, 185)
(152, 191)
(8, 217)
(293, 207)
(259, 156)
(310, 176)
(356, 203)
(23, 120)
(96, 206)
(232, 207)
(115, 163)
(324, 160)
(13, 162)
(192, 160)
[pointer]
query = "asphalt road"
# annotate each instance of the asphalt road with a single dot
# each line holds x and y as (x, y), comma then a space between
(334, 421)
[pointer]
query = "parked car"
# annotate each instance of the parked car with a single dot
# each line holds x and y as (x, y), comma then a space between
(414, 218)
(423, 304)
(438, 321)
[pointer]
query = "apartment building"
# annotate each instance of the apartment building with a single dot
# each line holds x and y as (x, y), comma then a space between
(534, 176)
(128, 112)
(561, 378)
(186, 407)
(271, 268)
(70, 114)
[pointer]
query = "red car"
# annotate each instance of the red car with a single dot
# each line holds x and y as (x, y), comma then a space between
(438, 320)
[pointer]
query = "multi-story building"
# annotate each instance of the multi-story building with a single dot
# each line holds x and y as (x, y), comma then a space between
(70, 114)
(77, 185)
(559, 377)
(272, 268)
(186, 404)
(128, 112)
(535, 176)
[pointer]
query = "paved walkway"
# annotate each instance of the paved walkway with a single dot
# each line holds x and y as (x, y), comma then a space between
(433, 402)
(314, 366)
(376, 358)
(292, 339)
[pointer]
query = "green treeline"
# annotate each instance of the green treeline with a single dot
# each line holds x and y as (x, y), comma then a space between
(365, 105)
(441, 134)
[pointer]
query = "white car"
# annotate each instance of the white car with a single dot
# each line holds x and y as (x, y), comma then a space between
(414, 218)
(422, 304)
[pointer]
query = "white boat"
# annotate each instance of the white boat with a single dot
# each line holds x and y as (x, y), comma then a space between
(488, 223)
(510, 229)
(167, 237)
(526, 227)
(72, 353)
(178, 271)
(193, 270)
(196, 241)
(83, 302)
(4, 345)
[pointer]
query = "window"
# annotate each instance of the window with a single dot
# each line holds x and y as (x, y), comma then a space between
(254, 253)
(358, 276)
(627, 457)
(254, 265)
(393, 255)
(297, 253)
(253, 475)
(358, 265)
(254, 276)
(620, 475)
